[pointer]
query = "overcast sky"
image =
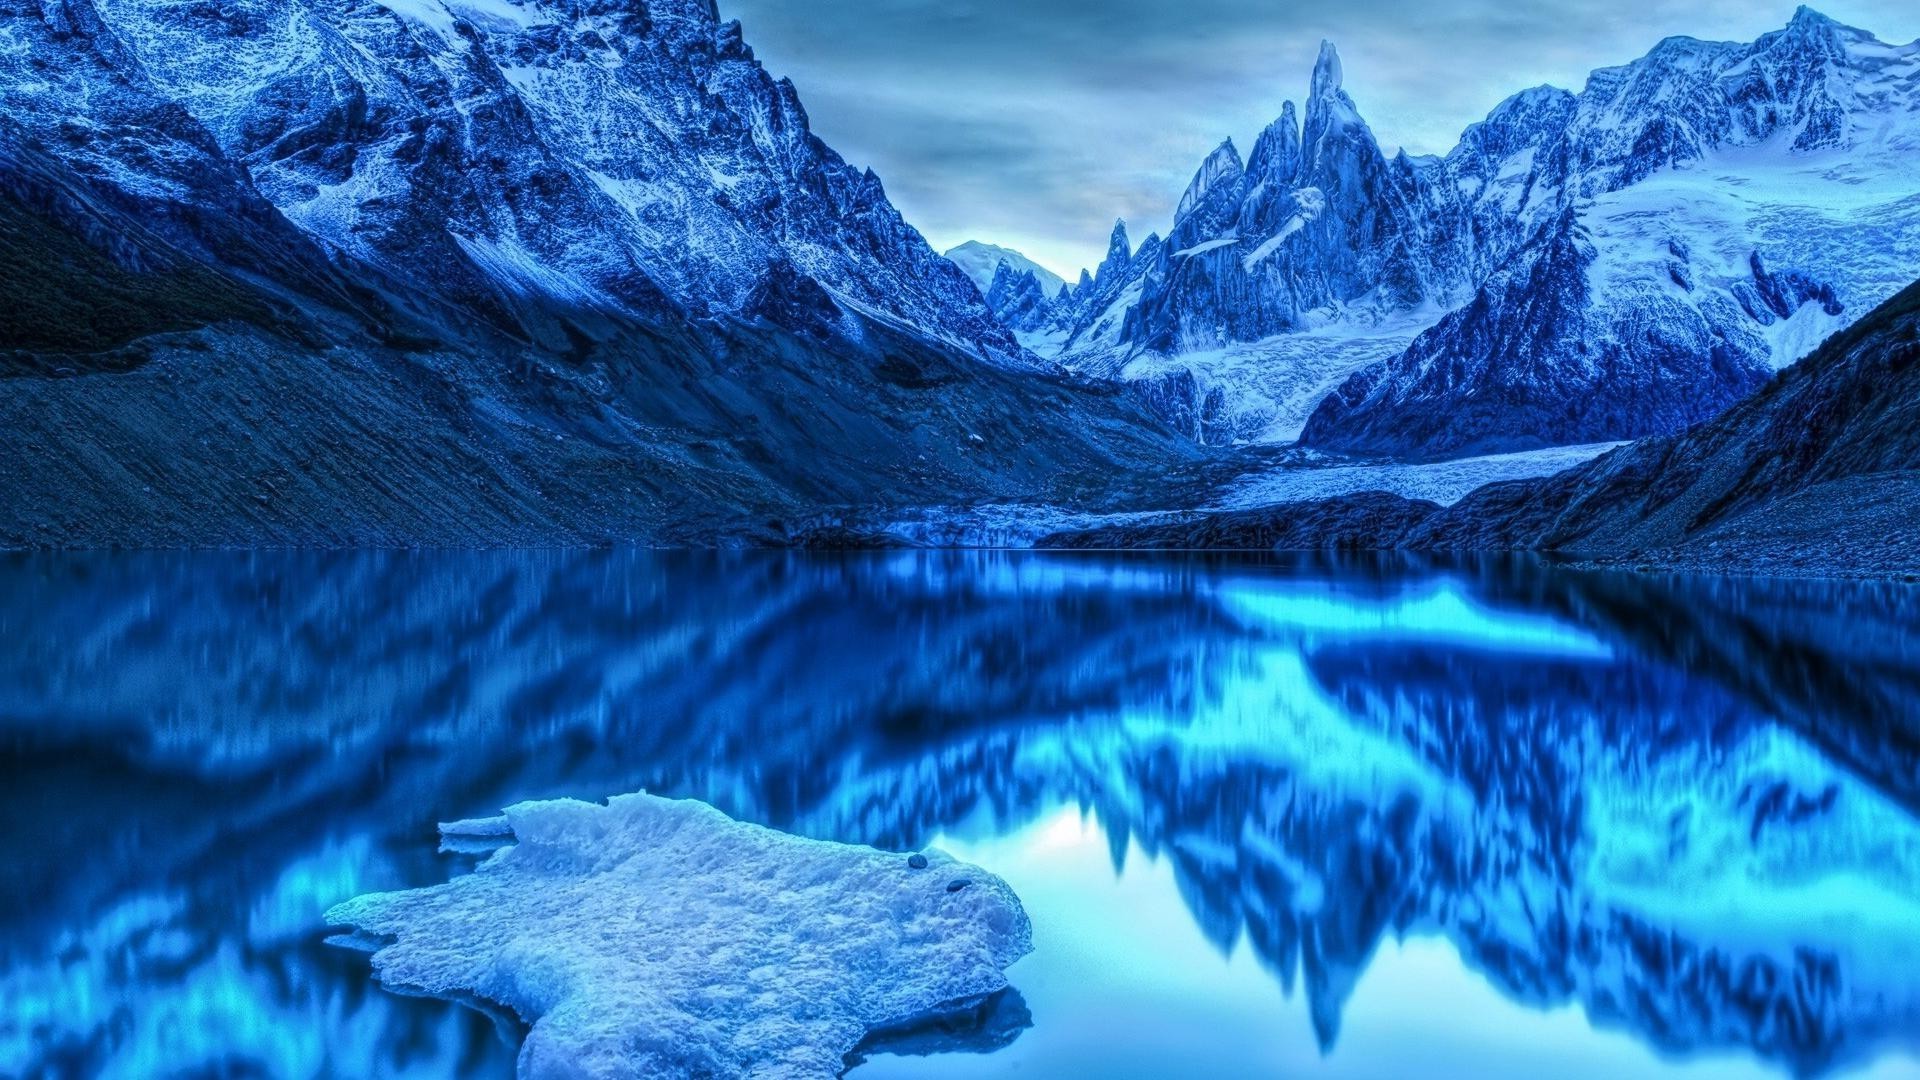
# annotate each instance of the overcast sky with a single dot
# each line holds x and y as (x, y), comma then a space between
(1034, 123)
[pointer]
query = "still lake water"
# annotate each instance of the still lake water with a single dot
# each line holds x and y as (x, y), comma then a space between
(1269, 816)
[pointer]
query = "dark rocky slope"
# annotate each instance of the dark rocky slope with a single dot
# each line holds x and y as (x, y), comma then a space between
(1821, 467)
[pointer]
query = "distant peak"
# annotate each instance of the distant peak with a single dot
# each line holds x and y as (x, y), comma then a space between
(1811, 27)
(1221, 166)
(1806, 16)
(1118, 251)
(1326, 70)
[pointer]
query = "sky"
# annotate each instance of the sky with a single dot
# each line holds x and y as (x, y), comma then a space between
(1035, 123)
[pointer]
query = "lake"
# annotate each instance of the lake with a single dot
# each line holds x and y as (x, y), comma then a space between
(1269, 815)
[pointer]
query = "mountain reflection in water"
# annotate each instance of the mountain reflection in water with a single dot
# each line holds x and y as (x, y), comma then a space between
(1688, 809)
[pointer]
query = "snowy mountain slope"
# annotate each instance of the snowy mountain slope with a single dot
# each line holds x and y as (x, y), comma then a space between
(1723, 206)
(475, 275)
(1815, 474)
(1689, 269)
(981, 261)
(609, 157)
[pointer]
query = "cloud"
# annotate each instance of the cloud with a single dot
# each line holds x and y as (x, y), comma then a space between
(1034, 123)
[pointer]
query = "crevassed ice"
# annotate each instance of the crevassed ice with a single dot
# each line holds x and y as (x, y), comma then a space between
(658, 937)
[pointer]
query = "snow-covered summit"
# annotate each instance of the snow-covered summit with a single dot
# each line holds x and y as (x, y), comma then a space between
(1699, 179)
(982, 260)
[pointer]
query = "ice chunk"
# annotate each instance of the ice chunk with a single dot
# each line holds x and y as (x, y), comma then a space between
(658, 937)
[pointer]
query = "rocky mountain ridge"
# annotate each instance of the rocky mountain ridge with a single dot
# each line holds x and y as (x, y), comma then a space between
(474, 272)
(1650, 248)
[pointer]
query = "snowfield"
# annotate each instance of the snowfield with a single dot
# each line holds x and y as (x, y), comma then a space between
(658, 937)
(1444, 482)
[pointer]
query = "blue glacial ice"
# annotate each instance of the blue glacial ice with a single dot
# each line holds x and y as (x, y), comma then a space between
(652, 936)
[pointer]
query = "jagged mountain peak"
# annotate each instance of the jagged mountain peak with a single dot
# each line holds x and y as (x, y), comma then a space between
(1221, 166)
(1326, 71)
(1332, 117)
(1119, 253)
(1329, 229)
(1812, 34)
(1808, 20)
(1276, 153)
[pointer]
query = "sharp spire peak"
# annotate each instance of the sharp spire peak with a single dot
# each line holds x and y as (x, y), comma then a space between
(1326, 70)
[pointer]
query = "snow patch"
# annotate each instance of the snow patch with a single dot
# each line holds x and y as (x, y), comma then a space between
(658, 937)
(430, 14)
(1208, 245)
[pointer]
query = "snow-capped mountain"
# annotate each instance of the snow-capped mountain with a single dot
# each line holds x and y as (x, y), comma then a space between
(1722, 208)
(550, 271)
(982, 261)
(1580, 267)
(608, 157)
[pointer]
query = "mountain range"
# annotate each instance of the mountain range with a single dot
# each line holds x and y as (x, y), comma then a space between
(316, 271)
(1818, 472)
(508, 271)
(1582, 267)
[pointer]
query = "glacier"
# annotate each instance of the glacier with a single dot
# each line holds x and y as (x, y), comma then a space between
(649, 936)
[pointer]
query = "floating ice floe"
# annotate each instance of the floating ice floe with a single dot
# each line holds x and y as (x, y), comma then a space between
(658, 937)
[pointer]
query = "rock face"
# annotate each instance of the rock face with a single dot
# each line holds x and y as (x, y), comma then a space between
(1648, 249)
(1537, 359)
(473, 273)
(614, 157)
(1018, 299)
(1088, 322)
(1318, 217)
